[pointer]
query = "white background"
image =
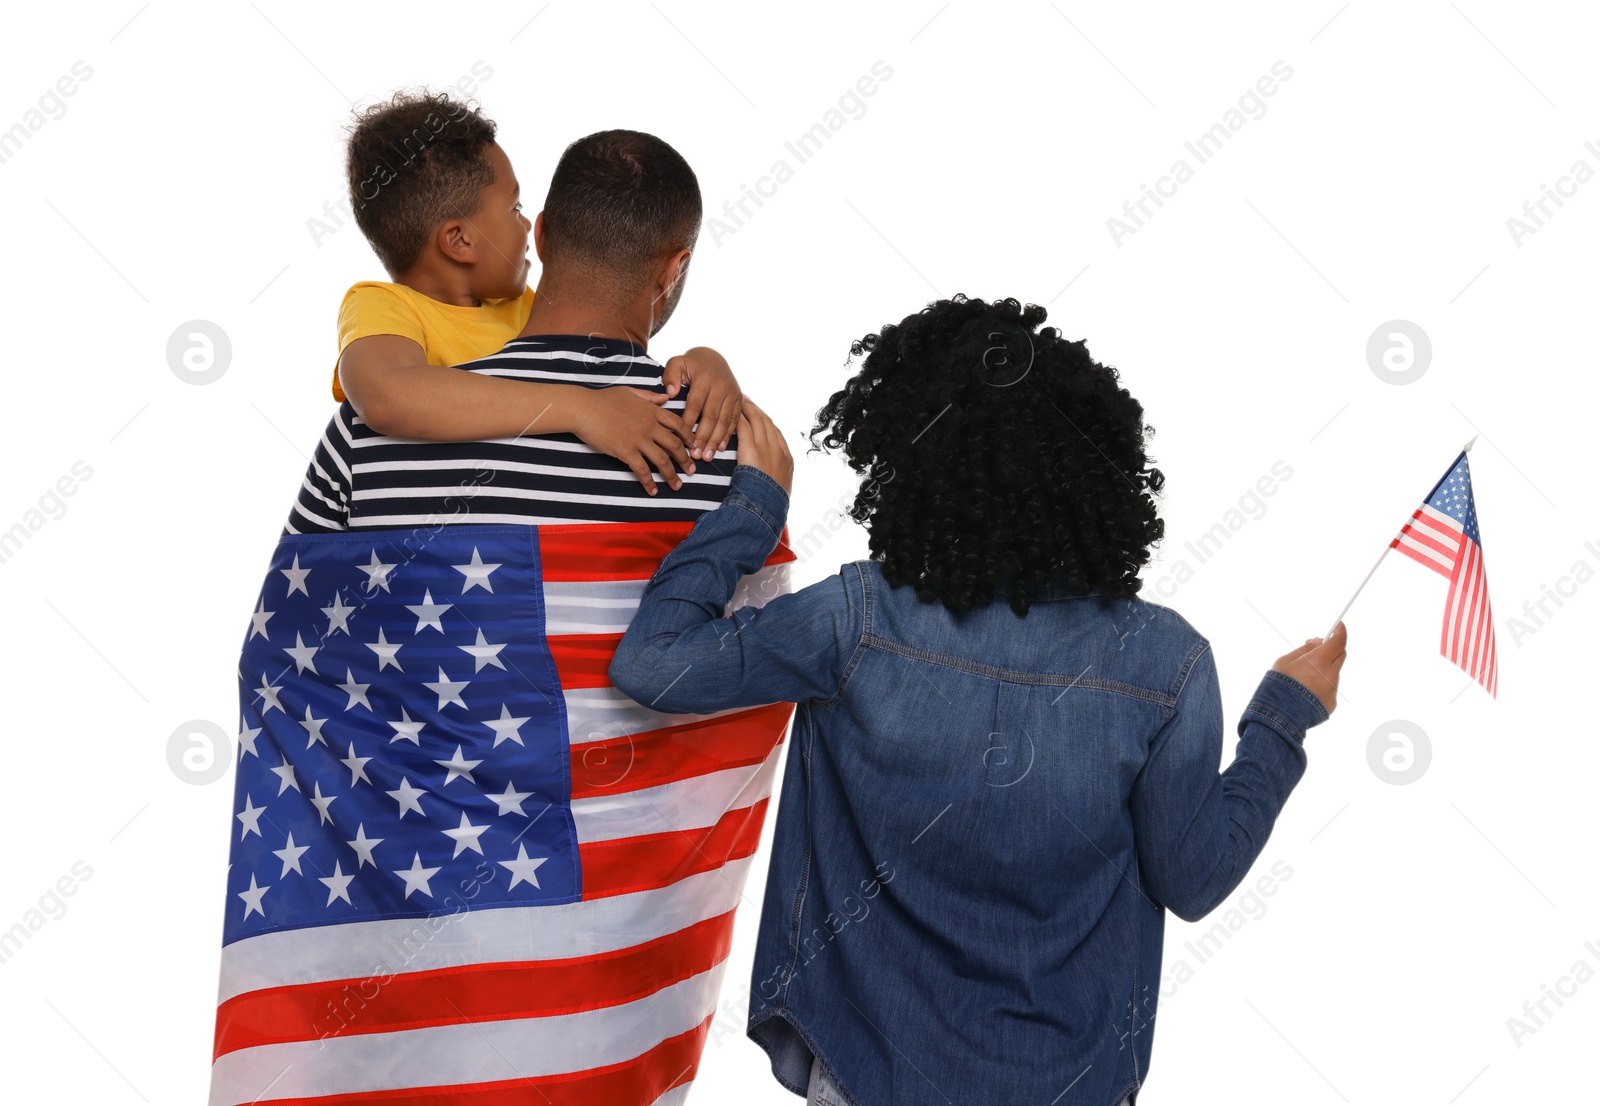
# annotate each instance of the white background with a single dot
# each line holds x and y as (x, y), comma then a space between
(1377, 186)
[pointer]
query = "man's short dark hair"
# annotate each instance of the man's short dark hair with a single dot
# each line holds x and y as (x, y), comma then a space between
(620, 200)
(413, 162)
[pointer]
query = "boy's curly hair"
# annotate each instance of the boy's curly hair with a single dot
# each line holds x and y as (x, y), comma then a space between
(996, 452)
(412, 162)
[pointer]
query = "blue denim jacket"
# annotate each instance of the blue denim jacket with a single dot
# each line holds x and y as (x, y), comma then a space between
(982, 819)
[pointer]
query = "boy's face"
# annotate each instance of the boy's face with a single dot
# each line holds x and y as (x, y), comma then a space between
(502, 233)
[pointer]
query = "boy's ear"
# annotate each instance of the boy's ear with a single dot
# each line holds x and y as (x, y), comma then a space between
(538, 236)
(455, 241)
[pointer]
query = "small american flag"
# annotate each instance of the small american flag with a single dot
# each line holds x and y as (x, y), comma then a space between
(1442, 535)
(464, 869)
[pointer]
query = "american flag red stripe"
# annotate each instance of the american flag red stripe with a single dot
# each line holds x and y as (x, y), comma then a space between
(604, 1000)
(655, 860)
(582, 659)
(1442, 536)
(636, 761)
(587, 551)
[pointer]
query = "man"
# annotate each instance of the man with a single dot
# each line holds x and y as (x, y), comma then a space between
(464, 861)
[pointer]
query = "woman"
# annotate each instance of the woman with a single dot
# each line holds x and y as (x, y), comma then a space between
(1004, 764)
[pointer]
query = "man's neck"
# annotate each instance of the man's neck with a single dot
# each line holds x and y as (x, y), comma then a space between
(564, 311)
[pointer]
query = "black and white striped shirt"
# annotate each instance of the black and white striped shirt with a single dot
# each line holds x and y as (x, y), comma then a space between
(362, 480)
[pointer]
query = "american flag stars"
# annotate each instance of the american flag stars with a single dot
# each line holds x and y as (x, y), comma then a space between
(476, 572)
(350, 752)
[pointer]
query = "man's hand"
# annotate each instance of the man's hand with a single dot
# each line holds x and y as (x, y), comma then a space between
(628, 424)
(761, 446)
(714, 400)
(1316, 664)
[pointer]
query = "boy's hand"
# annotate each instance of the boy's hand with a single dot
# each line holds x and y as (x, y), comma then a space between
(714, 400)
(1316, 664)
(761, 446)
(628, 424)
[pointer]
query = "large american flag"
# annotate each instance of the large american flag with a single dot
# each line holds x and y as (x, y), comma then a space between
(1442, 535)
(464, 869)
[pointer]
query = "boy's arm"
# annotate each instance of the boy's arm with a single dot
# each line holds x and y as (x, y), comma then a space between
(715, 398)
(394, 389)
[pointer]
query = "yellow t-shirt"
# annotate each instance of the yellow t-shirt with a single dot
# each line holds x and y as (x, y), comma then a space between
(448, 335)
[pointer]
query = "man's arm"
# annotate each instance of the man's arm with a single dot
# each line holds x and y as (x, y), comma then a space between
(394, 389)
(323, 505)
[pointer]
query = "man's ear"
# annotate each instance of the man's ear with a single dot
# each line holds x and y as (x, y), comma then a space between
(673, 271)
(455, 241)
(538, 236)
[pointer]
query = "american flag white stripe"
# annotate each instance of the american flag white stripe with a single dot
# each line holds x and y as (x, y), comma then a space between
(607, 606)
(694, 803)
(603, 607)
(601, 713)
(292, 957)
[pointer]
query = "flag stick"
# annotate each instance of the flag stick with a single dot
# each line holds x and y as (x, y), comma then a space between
(1364, 580)
(1375, 565)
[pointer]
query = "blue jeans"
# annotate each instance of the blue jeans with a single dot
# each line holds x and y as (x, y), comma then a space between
(822, 1092)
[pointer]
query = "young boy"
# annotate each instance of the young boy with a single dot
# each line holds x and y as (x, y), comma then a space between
(438, 200)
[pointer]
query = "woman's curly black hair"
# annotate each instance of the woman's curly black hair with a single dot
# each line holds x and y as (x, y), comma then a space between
(996, 454)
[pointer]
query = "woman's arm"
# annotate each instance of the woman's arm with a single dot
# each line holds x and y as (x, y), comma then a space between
(681, 655)
(1199, 832)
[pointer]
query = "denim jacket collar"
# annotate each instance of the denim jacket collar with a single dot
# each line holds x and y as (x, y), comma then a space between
(1057, 588)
